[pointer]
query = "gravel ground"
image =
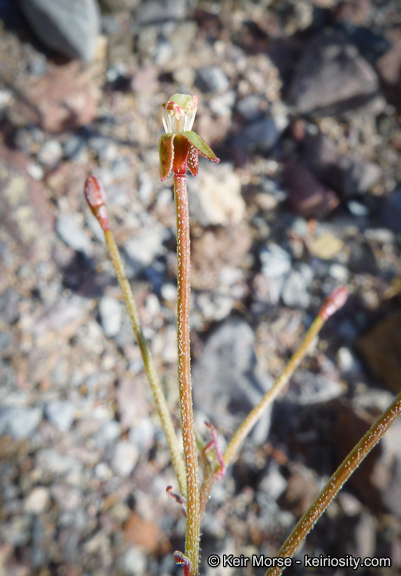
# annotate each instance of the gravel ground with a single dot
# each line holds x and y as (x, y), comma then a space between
(301, 101)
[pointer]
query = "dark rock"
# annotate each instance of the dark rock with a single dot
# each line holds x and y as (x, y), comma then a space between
(346, 175)
(391, 212)
(70, 27)
(389, 65)
(332, 78)
(259, 136)
(211, 79)
(307, 196)
(381, 349)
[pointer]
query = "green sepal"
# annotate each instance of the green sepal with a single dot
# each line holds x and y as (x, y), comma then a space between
(166, 155)
(201, 145)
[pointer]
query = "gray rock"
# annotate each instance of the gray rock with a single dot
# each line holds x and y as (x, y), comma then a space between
(50, 154)
(110, 311)
(227, 382)
(118, 5)
(69, 27)
(19, 422)
(61, 414)
(144, 248)
(332, 77)
(391, 212)
(50, 461)
(125, 456)
(276, 262)
(308, 388)
(108, 434)
(295, 290)
(154, 11)
(211, 79)
(261, 135)
(72, 234)
(251, 107)
(133, 563)
(18, 530)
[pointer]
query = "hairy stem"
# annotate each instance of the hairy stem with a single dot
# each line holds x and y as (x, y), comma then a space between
(336, 482)
(184, 372)
(158, 395)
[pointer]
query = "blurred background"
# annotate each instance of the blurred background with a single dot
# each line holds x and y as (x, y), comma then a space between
(301, 101)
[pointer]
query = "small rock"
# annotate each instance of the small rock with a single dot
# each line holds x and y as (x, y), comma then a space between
(307, 196)
(18, 530)
(381, 350)
(251, 107)
(19, 422)
(332, 78)
(125, 456)
(142, 250)
(273, 483)
(308, 388)
(110, 312)
(295, 291)
(214, 306)
(276, 262)
(118, 5)
(108, 434)
(66, 497)
(388, 66)
(49, 460)
(211, 79)
(260, 136)
(226, 379)
(215, 197)
(37, 501)
(72, 234)
(69, 27)
(133, 563)
(131, 401)
(346, 175)
(391, 212)
(50, 154)
(325, 245)
(61, 414)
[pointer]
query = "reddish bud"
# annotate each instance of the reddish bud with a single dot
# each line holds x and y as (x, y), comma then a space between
(177, 498)
(96, 199)
(184, 561)
(334, 302)
(215, 442)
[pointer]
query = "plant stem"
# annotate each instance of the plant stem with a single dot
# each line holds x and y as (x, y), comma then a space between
(335, 301)
(338, 479)
(184, 371)
(242, 432)
(158, 395)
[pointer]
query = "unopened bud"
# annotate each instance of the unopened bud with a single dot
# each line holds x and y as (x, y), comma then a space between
(334, 302)
(96, 199)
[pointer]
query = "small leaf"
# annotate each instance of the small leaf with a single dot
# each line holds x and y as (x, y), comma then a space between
(201, 145)
(193, 160)
(166, 155)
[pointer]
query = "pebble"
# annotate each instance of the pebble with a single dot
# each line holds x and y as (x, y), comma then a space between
(19, 422)
(108, 434)
(70, 27)
(391, 212)
(211, 79)
(215, 197)
(133, 563)
(37, 501)
(50, 154)
(61, 414)
(110, 312)
(124, 458)
(144, 248)
(308, 388)
(276, 262)
(50, 461)
(332, 77)
(295, 290)
(70, 231)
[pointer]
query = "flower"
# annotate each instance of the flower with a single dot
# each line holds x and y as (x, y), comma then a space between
(180, 147)
(178, 114)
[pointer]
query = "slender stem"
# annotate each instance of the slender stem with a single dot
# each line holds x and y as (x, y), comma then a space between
(158, 395)
(332, 303)
(336, 482)
(184, 371)
(254, 415)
